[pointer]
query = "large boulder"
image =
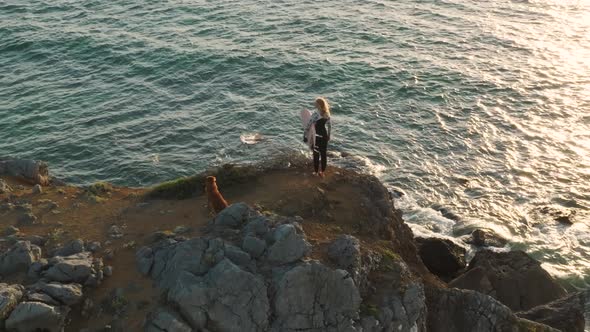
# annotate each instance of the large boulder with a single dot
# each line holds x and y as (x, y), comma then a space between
(466, 311)
(35, 316)
(79, 268)
(10, 295)
(513, 278)
(36, 171)
(442, 257)
(19, 258)
(566, 314)
(227, 298)
(313, 297)
(164, 320)
(289, 245)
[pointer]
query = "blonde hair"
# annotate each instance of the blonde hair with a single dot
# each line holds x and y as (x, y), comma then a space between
(322, 104)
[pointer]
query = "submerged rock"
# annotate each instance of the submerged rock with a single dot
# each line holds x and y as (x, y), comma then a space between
(442, 257)
(513, 278)
(485, 238)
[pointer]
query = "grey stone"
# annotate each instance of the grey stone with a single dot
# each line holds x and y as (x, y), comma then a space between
(253, 245)
(33, 316)
(181, 230)
(314, 297)
(226, 298)
(41, 297)
(514, 278)
(485, 238)
(10, 295)
(404, 309)
(68, 294)
(80, 268)
(467, 311)
(164, 320)
(239, 257)
(37, 189)
(345, 251)
(36, 268)
(565, 314)
(19, 258)
(71, 248)
(108, 271)
(288, 246)
(257, 226)
(233, 216)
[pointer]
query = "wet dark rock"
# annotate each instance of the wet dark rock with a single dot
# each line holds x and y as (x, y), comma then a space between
(485, 238)
(18, 258)
(442, 257)
(565, 314)
(513, 278)
(564, 216)
(446, 212)
(466, 311)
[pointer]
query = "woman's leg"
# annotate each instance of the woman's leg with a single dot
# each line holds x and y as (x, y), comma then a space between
(324, 152)
(316, 158)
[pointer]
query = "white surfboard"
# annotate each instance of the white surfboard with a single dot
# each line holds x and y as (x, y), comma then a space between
(305, 117)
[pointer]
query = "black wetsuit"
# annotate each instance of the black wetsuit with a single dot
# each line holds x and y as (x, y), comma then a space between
(321, 144)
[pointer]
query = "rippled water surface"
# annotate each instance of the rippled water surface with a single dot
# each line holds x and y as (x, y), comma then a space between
(481, 107)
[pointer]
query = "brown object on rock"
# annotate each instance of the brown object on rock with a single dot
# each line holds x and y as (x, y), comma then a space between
(32, 170)
(513, 278)
(566, 314)
(214, 198)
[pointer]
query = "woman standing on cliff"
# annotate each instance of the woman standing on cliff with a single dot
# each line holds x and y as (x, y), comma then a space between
(323, 127)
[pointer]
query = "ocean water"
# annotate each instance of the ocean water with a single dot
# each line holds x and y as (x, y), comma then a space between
(480, 107)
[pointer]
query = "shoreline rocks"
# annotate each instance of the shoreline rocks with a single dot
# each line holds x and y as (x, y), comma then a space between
(442, 257)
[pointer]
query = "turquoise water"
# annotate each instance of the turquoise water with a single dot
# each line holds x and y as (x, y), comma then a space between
(481, 107)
